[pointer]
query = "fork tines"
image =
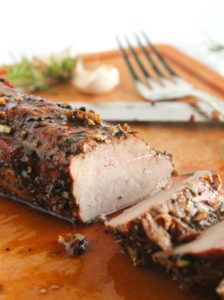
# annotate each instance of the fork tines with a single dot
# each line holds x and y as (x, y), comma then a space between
(147, 51)
(164, 84)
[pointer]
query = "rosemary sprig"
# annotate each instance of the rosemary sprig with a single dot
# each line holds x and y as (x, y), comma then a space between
(39, 73)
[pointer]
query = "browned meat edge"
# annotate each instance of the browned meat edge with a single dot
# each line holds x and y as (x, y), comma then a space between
(198, 263)
(195, 270)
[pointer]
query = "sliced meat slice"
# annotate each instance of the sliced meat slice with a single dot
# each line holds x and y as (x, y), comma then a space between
(200, 262)
(71, 164)
(170, 217)
(220, 290)
(116, 175)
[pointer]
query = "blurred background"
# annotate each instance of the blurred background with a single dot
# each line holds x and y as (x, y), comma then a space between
(40, 27)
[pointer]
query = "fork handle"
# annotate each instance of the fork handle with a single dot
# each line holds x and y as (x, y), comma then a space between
(214, 102)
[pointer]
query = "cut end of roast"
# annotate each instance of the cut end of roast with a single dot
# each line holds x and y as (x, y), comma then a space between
(116, 175)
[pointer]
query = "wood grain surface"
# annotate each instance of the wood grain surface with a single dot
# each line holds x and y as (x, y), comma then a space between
(34, 266)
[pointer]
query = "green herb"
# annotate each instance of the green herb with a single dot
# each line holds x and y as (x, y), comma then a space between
(40, 74)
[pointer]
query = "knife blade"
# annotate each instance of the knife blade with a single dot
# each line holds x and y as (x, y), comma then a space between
(147, 112)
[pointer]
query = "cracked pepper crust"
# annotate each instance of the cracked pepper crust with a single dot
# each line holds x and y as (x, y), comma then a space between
(38, 138)
(177, 220)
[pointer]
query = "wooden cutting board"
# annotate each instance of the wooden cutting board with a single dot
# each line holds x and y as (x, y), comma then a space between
(34, 266)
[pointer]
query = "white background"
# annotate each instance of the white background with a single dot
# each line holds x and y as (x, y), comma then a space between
(44, 26)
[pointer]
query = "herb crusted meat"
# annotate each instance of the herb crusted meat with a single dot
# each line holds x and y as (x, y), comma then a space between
(69, 163)
(200, 262)
(170, 217)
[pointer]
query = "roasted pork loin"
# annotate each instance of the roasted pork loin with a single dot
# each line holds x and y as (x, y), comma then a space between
(170, 217)
(70, 163)
(200, 262)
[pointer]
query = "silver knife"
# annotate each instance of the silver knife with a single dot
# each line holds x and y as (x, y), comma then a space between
(147, 112)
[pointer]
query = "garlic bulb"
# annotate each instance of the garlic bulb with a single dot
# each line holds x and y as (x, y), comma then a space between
(101, 80)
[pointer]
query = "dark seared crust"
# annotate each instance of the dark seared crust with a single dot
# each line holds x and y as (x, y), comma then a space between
(194, 270)
(36, 154)
(179, 219)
